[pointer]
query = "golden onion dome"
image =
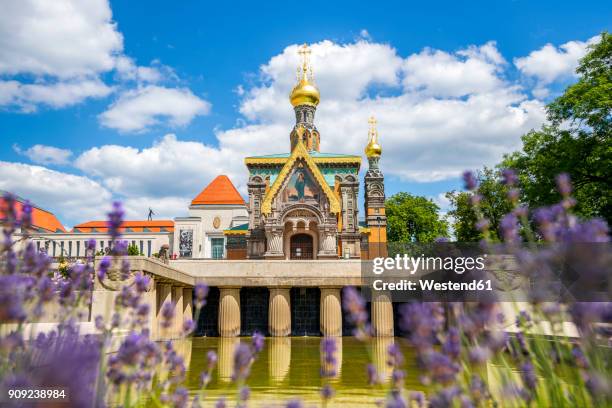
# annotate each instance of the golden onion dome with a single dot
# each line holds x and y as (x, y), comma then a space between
(304, 93)
(373, 149)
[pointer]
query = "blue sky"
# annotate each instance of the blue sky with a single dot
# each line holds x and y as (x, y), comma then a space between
(157, 99)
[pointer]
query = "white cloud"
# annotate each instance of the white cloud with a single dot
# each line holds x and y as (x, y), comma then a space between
(442, 74)
(142, 108)
(42, 154)
(429, 134)
(169, 168)
(61, 38)
(54, 53)
(72, 198)
(550, 63)
(55, 95)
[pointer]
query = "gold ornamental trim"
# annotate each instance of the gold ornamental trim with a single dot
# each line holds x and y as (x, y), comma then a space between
(299, 152)
(318, 160)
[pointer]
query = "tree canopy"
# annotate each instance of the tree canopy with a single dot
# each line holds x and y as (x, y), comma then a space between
(494, 205)
(577, 141)
(413, 218)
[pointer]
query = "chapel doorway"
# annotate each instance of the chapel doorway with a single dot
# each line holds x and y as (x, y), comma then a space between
(301, 247)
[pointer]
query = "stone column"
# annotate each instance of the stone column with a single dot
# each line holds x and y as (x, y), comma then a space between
(164, 295)
(331, 312)
(279, 312)
(188, 304)
(177, 322)
(382, 314)
(229, 312)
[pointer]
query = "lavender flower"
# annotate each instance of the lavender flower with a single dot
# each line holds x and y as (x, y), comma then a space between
(257, 342)
(373, 377)
(243, 357)
(328, 358)
(452, 344)
(115, 219)
(470, 181)
(167, 314)
(201, 292)
(509, 177)
(327, 392)
(528, 375)
(103, 267)
(294, 404)
(188, 327)
(354, 304)
(564, 184)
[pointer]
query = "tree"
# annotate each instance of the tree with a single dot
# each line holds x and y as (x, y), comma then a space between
(494, 205)
(578, 141)
(413, 219)
(133, 250)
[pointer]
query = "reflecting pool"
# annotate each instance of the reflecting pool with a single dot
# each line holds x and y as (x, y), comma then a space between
(288, 368)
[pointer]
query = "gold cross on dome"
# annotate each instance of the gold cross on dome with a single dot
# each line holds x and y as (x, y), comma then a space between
(305, 52)
(372, 122)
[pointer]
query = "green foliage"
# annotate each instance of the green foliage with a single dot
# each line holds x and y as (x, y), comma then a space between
(413, 219)
(578, 141)
(133, 250)
(494, 205)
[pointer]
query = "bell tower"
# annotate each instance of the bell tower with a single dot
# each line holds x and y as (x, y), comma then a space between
(305, 97)
(376, 219)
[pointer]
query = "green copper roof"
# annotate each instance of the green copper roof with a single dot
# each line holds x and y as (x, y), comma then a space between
(242, 227)
(312, 154)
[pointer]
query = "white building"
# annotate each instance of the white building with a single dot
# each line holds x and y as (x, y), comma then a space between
(217, 208)
(200, 235)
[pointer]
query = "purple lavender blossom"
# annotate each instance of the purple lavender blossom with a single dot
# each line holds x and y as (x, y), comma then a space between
(478, 354)
(167, 314)
(211, 359)
(103, 267)
(509, 177)
(452, 345)
(395, 356)
(188, 327)
(115, 219)
(243, 357)
(528, 374)
(469, 180)
(295, 403)
(373, 377)
(564, 184)
(327, 392)
(353, 303)
(257, 342)
(328, 357)
(200, 292)
(245, 393)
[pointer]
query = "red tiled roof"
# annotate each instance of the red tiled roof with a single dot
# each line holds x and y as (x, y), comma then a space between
(219, 191)
(134, 226)
(41, 219)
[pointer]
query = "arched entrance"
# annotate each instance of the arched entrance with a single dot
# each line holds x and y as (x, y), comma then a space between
(301, 247)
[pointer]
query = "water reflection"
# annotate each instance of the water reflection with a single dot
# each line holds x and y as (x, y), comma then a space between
(279, 358)
(289, 367)
(225, 351)
(379, 357)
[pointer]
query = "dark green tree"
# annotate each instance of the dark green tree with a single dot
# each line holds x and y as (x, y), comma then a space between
(133, 250)
(577, 141)
(494, 205)
(413, 219)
